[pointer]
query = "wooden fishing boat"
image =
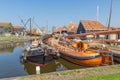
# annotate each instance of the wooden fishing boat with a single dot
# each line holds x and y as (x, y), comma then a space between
(36, 56)
(79, 52)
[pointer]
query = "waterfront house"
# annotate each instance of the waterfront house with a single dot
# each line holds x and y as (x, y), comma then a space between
(61, 29)
(86, 26)
(113, 36)
(5, 27)
(72, 28)
(18, 29)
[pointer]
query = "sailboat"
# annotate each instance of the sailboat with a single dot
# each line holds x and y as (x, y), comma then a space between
(79, 52)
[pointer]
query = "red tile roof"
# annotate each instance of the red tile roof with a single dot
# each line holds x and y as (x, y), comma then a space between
(72, 27)
(3, 24)
(16, 27)
(60, 29)
(93, 25)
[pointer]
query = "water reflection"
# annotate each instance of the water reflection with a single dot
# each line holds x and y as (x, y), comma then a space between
(6, 50)
(10, 65)
(53, 66)
(9, 61)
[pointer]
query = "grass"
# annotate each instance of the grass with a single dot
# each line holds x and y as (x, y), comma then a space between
(105, 73)
(10, 38)
(115, 76)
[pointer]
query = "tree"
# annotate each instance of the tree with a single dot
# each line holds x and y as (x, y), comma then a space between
(8, 28)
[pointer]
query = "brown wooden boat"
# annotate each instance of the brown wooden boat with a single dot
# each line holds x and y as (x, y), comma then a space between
(36, 56)
(79, 52)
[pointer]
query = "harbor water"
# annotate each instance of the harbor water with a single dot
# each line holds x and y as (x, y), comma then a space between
(10, 65)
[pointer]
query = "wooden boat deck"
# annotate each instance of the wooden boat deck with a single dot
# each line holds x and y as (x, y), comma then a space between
(71, 51)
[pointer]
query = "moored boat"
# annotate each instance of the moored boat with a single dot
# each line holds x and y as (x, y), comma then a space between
(36, 56)
(80, 52)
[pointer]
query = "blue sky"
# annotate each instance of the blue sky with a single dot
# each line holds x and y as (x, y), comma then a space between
(58, 12)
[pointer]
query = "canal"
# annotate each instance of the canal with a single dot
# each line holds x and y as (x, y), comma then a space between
(10, 65)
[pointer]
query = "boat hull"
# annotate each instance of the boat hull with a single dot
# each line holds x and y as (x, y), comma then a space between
(40, 60)
(97, 61)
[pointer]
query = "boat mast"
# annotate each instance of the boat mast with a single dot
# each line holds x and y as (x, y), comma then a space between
(110, 14)
(30, 27)
(97, 13)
